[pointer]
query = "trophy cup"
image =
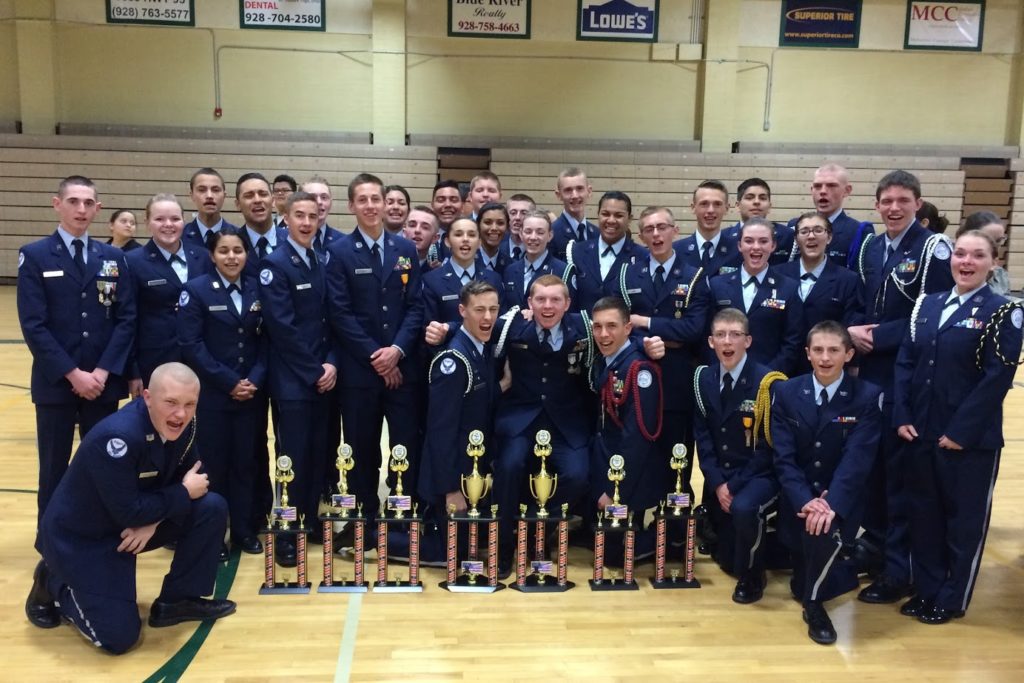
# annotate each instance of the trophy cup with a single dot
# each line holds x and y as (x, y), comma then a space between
(616, 512)
(404, 514)
(279, 522)
(539, 578)
(678, 500)
(474, 487)
(343, 505)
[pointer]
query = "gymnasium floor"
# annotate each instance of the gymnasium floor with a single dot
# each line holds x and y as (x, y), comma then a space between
(578, 635)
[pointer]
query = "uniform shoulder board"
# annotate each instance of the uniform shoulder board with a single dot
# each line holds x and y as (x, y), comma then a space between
(511, 313)
(447, 362)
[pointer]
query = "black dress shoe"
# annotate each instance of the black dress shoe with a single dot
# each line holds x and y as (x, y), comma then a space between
(819, 626)
(749, 589)
(225, 554)
(250, 545)
(40, 607)
(884, 590)
(938, 615)
(190, 609)
(284, 554)
(916, 606)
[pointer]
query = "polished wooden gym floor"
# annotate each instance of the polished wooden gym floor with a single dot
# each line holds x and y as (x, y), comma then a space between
(578, 635)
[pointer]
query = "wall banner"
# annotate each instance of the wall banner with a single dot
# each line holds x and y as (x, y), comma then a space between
(154, 12)
(292, 15)
(635, 21)
(944, 25)
(820, 23)
(489, 19)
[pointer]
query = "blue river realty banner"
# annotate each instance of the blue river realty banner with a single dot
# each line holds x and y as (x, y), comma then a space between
(618, 20)
(820, 23)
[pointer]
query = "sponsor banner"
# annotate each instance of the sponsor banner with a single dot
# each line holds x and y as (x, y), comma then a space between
(635, 20)
(820, 23)
(489, 18)
(944, 25)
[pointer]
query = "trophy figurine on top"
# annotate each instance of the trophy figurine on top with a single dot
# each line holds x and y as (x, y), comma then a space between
(279, 521)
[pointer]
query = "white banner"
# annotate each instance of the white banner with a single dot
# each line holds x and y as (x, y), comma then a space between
(944, 25)
(489, 18)
(297, 15)
(161, 12)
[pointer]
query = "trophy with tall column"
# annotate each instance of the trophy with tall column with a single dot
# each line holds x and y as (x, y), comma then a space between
(399, 512)
(542, 576)
(620, 524)
(677, 501)
(344, 508)
(279, 521)
(472, 575)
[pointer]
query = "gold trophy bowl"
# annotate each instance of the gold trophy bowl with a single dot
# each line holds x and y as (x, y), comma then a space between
(543, 485)
(475, 486)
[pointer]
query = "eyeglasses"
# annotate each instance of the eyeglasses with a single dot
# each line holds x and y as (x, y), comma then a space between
(815, 230)
(660, 227)
(731, 335)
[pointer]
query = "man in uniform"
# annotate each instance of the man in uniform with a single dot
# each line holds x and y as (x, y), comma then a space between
(283, 186)
(708, 247)
(897, 267)
(446, 201)
(77, 313)
(253, 200)
(825, 428)
(536, 260)
(484, 188)
(206, 188)
(133, 486)
(829, 190)
(572, 189)
(518, 206)
(754, 198)
(734, 457)
(421, 229)
(325, 234)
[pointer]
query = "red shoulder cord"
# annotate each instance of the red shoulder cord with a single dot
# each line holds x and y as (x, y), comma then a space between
(611, 404)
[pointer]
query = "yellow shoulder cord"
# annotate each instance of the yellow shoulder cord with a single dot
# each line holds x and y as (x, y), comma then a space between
(763, 406)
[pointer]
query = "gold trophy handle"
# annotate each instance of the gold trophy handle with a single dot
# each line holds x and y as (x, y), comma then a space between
(462, 486)
(554, 486)
(487, 485)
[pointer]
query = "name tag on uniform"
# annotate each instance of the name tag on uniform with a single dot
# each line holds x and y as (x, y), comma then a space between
(218, 308)
(520, 346)
(154, 283)
(364, 271)
(449, 297)
(634, 291)
(148, 475)
(305, 285)
(53, 273)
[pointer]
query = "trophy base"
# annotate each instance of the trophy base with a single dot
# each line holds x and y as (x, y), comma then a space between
(342, 587)
(462, 585)
(542, 584)
(285, 589)
(613, 585)
(678, 583)
(397, 587)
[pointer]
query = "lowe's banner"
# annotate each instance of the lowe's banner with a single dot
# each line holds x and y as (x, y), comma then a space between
(820, 23)
(618, 20)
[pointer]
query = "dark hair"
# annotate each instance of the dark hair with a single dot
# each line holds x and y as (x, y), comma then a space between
(732, 315)
(897, 178)
(475, 288)
(225, 231)
(74, 180)
(296, 197)
(712, 185)
(362, 179)
(442, 184)
(754, 221)
(752, 182)
(978, 220)
(930, 212)
(831, 327)
(114, 216)
(612, 303)
(491, 206)
(205, 170)
(812, 214)
(616, 195)
(285, 178)
(397, 188)
(246, 177)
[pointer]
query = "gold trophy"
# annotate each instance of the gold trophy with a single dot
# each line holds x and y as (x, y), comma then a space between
(615, 511)
(399, 463)
(474, 487)
(284, 513)
(543, 485)
(678, 499)
(343, 502)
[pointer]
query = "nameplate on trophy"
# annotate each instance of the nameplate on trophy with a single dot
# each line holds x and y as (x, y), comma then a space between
(616, 511)
(343, 501)
(399, 502)
(541, 566)
(679, 500)
(473, 566)
(285, 514)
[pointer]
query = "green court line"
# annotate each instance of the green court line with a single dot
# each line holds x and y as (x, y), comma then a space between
(348, 639)
(32, 491)
(12, 341)
(174, 668)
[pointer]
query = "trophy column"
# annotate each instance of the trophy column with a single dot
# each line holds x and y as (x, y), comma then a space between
(279, 521)
(621, 524)
(678, 501)
(399, 512)
(344, 509)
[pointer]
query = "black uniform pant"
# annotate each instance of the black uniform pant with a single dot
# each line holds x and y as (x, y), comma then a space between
(950, 507)
(820, 572)
(302, 434)
(885, 519)
(55, 433)
(227, 439)
(112, 623)
(741, 531)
